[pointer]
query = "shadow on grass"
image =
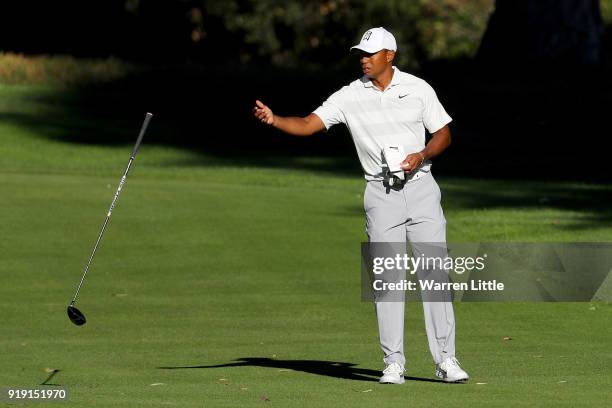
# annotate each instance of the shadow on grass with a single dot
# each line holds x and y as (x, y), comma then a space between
(590, 203)
(507, 125)
(53, 373)
(334, 369)
(192, 113)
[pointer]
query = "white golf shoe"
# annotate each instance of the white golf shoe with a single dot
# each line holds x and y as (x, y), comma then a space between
(393, 374)
(450, 371)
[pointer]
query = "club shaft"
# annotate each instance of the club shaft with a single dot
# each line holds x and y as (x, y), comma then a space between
(76, 294)
(112, 206)
(106, 220)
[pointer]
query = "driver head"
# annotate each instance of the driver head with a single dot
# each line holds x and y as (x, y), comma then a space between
(75, 315)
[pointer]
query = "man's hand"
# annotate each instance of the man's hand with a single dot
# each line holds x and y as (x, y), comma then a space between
(263, 113)
(296, 126)
(439, 141)
(412, 161)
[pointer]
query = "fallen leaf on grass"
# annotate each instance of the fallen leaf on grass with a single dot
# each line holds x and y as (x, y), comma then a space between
(562, 381)
(50, 370)
(283, 370)
(120, 294)
(154, 384)
(481, 383)
(508, 338)
(264, 398)
(368, 390)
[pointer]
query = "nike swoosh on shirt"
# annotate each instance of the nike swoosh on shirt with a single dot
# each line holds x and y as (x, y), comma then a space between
(401, 96)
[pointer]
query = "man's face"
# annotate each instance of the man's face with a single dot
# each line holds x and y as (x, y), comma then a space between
(374, 64)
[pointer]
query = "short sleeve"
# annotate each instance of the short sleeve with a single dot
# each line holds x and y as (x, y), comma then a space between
(434, 115)
(330, 112)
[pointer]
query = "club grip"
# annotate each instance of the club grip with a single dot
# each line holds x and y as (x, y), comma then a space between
(143, 129)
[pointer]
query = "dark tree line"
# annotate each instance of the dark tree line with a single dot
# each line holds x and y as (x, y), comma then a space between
(295, 33)
(281, 32)
(544, 30)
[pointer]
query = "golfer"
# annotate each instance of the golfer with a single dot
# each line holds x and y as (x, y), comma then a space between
(387, 108)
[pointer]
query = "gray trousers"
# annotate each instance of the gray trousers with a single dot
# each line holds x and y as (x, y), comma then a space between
(412, 213)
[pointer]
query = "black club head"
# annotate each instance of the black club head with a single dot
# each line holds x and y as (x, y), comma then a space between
(76, 316)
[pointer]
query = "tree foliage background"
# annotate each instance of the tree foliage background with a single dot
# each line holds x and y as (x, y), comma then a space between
(297, 33)
(289, 33)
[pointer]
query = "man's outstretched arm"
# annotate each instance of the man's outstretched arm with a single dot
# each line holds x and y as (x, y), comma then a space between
(296, 126)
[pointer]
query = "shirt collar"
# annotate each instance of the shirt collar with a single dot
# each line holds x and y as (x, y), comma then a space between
(395, 80)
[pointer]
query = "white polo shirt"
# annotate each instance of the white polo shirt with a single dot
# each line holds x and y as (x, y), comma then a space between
(397, 115)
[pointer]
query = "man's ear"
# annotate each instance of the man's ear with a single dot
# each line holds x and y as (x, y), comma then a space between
(390, 55)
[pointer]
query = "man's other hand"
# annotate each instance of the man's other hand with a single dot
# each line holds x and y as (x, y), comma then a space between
(263, 113)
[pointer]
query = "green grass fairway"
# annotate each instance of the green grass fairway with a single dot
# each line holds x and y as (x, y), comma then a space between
(219, 285)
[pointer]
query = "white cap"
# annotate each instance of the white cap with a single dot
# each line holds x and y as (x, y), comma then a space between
(376, 39)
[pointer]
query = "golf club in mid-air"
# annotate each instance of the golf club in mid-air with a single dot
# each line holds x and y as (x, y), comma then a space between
(75, 315)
